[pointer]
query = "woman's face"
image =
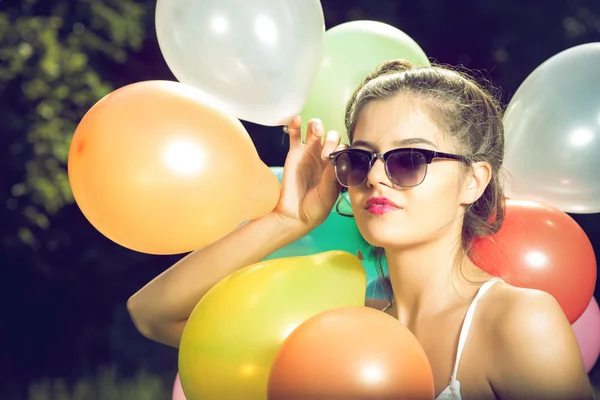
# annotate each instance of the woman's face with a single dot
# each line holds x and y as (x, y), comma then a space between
(423, 212)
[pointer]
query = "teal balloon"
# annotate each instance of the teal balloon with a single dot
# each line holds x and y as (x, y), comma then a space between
(337, 232)
(375, 290)
(278, 171)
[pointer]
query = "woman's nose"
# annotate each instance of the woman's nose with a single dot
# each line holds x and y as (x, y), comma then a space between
(377, 175)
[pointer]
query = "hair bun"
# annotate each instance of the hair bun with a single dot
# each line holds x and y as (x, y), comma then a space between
(389, 67)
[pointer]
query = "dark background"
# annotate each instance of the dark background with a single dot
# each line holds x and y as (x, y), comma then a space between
(64, 330)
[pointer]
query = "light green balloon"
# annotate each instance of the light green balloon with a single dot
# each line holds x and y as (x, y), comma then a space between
(352, 51)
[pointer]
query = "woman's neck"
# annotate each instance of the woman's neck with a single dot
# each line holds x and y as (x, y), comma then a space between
(427, 278)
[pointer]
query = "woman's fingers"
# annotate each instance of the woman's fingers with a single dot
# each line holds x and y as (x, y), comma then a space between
(314, 131)
(314, 136)
(332, 141)
(293, 130)
(329, 188)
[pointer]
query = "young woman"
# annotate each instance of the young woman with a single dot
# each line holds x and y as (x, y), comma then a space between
(422, 173)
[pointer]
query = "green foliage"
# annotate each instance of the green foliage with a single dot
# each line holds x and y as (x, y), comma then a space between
(105, 386)
(53, 66)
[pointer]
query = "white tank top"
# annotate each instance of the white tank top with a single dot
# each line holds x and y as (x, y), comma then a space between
(452, 391)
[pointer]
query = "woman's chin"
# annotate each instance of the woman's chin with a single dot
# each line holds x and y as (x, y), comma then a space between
(392, 238)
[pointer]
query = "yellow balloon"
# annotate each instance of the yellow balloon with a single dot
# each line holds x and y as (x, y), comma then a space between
(236, 330)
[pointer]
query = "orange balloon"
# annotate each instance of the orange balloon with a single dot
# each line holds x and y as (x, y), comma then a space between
(351, 353)
(157, 169)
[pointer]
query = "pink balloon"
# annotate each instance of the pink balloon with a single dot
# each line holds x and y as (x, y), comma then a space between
(178, 390)
(587, 331)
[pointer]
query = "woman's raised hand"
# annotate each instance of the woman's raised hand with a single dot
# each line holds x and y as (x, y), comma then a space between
(309, 186)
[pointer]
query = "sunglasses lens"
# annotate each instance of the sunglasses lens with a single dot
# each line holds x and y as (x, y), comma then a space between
(407, 168)
(352, 168)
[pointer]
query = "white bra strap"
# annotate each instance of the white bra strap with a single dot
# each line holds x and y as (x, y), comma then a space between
(464, 332)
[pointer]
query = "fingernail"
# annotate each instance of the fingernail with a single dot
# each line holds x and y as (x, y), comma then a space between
(319, 129)
(333, 136)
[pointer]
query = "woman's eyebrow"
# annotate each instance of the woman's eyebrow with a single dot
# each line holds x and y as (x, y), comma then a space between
(400, 142)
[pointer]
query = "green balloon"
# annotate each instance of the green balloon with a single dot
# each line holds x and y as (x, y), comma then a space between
(352, 51)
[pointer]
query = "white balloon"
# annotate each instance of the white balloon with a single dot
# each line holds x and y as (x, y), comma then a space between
(257, 58)
(552, 127)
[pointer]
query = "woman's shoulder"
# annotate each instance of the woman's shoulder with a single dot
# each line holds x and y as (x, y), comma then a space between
(513, 308)
(532, 345)
(530, 338)
(517, 316)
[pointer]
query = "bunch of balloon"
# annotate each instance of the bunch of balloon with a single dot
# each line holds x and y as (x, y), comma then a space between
(148, 165)
(256, 59)
(552, 126)
(337, 232)
(352, 50)
(587, 332)
(541, 247)
(235, 331)
(351, 353)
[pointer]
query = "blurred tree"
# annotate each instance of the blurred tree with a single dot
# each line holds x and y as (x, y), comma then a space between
(52, 61)
(62, 281)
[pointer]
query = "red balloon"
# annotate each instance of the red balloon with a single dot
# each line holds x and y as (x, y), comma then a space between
(351, 353)
(541, 247)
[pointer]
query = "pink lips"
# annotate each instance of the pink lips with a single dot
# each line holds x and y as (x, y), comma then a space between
(380, 205)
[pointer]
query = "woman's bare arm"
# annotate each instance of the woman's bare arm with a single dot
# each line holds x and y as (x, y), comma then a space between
(161, 308)
(309, 191)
